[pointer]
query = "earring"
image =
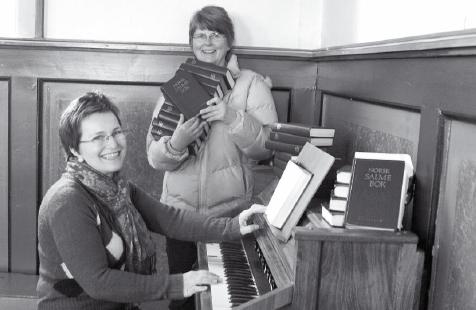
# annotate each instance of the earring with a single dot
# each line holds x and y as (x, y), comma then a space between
(80, 159)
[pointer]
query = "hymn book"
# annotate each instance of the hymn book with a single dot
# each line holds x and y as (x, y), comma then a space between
(186, 93)
(378, 190)
(290, 187)
(317, 162)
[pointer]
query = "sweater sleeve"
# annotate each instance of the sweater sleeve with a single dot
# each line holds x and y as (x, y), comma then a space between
(249, 130)
(79, 243)
(159, 153)
(183, 224)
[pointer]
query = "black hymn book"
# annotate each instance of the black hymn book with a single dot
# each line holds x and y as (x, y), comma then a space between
(210, 67)
(377, 192)
(186, 93)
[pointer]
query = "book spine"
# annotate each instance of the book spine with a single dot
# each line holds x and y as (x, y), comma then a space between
(170, 108)
(298, 130)
(167, 117)
(292, 149)
(288, 138)
(229, 80)
(283, 156)
(280, 163)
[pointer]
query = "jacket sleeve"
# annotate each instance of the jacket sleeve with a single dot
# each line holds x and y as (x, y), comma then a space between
(249, 130)
(159, 153)
(182, 224)
(74, 230)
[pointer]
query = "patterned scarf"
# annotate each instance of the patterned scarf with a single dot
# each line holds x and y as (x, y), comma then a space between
(113, 195)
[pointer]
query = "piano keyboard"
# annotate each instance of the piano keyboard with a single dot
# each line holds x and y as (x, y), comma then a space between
(241, 283)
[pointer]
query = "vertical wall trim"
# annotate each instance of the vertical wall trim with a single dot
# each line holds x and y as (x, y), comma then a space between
(40, 19)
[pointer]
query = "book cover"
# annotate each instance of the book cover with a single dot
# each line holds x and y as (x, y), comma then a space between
(292, 149)
(213, 84)
(318, 162)
(334, 218)
(377, 192)
(206, 75)
(299, 140)
(303, 130)
(290, 187)
(337, 203)
(186, 94)
(230, 81)
(343, 174)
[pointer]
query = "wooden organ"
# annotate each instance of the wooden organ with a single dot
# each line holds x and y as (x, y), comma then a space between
(318, 268)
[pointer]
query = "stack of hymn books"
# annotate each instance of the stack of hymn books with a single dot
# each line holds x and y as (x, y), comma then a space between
(378, 190)
(165, 122)
(288, 139)
(334, 210)
(194, 83)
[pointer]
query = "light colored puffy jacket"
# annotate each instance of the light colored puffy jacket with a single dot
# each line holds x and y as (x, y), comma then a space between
(219, 178)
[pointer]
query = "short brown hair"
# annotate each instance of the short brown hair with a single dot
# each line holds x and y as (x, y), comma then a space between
(214, 18)
(76, 111)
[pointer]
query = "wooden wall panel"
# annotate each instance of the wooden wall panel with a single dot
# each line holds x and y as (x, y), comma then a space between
(4, 151)
(23, 174)
(136, 103)
(454, 266)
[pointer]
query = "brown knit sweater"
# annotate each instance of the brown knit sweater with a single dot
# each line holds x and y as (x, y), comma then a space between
(81, 256)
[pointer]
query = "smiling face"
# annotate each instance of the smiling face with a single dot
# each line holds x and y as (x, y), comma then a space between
(104, 155)
(210, 46)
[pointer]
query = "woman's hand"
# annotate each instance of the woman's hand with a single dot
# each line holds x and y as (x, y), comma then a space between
(198, 281)
(244, 216)
(186, 133)
(218, 110)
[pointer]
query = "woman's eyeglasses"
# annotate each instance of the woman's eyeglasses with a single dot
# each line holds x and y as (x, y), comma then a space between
(100, 140)
(212, 36)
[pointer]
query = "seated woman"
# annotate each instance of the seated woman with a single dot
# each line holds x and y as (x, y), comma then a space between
(94, 227)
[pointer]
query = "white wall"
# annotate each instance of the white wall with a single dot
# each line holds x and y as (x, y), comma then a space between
(356, 21)
(269, 23)
(17, 18)
(295, 24)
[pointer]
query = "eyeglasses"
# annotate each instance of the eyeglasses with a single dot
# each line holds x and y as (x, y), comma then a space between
(100, 140)
(212, 36)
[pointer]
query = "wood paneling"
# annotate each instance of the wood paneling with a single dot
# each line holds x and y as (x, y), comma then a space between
(454, 267)
(4, 151)
(23, 174)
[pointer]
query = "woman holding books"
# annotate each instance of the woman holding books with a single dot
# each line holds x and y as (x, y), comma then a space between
(219, 178)
(94, 227)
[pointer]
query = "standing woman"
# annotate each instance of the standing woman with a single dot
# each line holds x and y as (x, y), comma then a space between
(219, 179)
(94, 227)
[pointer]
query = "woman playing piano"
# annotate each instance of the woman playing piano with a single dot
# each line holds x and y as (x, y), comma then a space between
(94, 227)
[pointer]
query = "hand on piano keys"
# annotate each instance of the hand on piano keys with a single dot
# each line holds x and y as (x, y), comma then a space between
(198, 281)
(246, 215)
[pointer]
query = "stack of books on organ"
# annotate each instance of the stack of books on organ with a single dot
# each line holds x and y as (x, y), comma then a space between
(194, 83)
(288, 139)
(334, 210)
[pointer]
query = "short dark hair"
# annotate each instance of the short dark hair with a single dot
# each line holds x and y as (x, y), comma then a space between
(76, 111)
(214, 18)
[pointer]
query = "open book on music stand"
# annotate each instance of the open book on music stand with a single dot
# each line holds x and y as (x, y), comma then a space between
(315, 162)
